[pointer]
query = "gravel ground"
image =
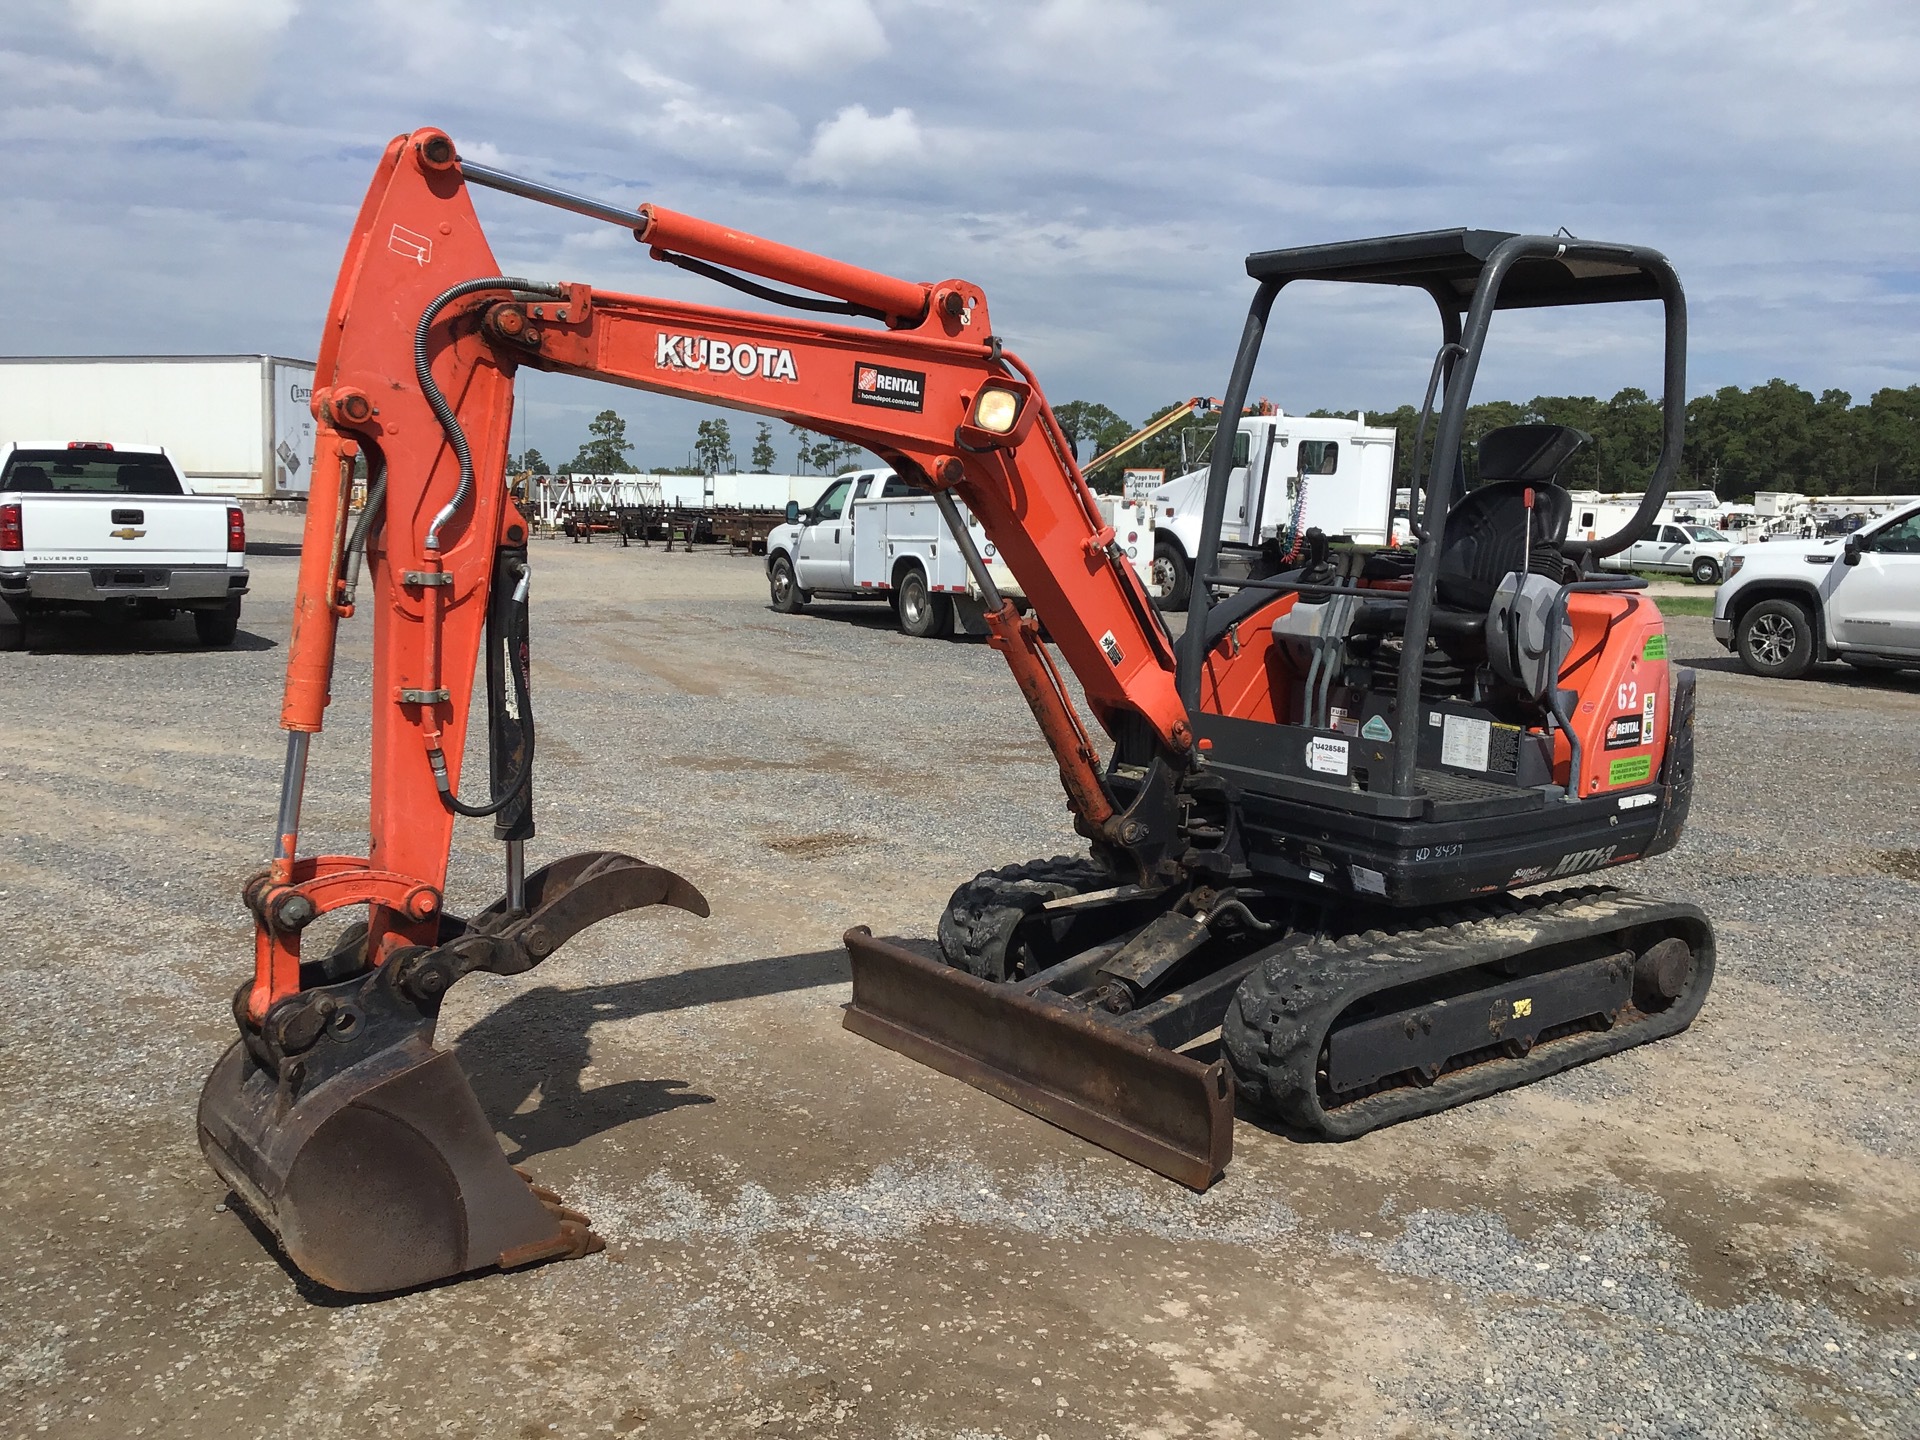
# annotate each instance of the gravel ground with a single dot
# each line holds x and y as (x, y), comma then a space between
(810, 1236)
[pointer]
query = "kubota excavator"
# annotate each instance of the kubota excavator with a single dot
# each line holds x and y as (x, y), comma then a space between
(1309, 814)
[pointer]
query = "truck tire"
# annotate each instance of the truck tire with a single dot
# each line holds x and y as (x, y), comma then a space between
(1775, 639)
(1172, 575)
(1706, 570)
(217, 627)
(784, 587)
(923, 614)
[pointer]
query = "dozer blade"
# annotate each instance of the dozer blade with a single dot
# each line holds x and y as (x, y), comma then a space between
(1054, 1060)
(360, 1145)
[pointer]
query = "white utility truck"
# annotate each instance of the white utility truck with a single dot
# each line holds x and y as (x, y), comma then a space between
(1290, 474)
(1787, 603)
(111, 530)
(872, 536)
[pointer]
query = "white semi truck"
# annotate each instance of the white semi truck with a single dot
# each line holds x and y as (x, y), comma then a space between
(1291, 474)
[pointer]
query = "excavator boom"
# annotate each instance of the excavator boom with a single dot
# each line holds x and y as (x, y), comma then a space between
(414, 387)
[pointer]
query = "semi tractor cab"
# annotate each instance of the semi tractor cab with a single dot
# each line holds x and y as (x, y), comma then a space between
(873, 536)
(1291, 474)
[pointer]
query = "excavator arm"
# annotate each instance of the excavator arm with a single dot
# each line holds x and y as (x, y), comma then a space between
(416, 374)
(334, 1093)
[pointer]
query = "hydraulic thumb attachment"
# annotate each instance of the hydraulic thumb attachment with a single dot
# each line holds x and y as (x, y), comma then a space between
(357, 1142)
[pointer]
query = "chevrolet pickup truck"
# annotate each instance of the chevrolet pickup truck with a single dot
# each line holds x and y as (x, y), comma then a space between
(110, 530)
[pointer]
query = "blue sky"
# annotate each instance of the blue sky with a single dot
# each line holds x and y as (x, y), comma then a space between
(179, 175)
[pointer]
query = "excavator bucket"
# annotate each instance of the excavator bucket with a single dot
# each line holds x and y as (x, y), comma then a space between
(1110, 1083)
(361, 1146)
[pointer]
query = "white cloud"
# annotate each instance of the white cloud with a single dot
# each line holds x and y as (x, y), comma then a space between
(214, 52)
(799, 35)
(854, 144)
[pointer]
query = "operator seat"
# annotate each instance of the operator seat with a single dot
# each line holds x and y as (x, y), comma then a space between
(1487, 527)
(29, 480)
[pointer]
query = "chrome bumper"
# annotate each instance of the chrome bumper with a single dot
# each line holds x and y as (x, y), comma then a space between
(97, 584)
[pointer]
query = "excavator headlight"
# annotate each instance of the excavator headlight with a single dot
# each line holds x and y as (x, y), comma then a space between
(996, 410)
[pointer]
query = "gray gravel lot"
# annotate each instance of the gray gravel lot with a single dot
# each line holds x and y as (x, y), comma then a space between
(810, 1236)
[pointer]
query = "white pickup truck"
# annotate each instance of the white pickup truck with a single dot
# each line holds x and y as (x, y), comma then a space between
(1303, 473)
(872, 536)
(1670, 547)
(111, 530)
(1787, 603)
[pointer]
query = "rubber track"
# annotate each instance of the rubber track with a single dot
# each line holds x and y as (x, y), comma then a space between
(977, 927)
(1277, 1025)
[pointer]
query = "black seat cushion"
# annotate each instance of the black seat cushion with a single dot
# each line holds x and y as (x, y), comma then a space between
(1528, 452)
(1487, 530)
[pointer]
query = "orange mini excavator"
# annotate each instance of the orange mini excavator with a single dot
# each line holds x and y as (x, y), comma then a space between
(1300, 836)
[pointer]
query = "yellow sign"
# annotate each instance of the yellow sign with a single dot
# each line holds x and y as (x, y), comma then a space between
(1522, 1009)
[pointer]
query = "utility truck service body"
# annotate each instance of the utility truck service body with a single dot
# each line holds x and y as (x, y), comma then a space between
(873, 536)
(110, 530)
(1333, 475)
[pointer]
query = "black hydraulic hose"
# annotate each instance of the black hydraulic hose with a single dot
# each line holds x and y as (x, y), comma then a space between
(370, 516)
(518, 661)
(423, 372)
(767, 292)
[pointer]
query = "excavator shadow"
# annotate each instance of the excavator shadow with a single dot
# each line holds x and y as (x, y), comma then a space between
(533, 1092)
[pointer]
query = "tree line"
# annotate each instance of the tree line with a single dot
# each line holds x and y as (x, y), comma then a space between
(1775, 436)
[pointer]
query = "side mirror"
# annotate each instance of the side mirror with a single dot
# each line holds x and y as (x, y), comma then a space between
(793, 512)
(1850, 552)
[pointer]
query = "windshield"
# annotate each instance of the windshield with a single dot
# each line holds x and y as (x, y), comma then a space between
(1707, 535)
(97, 472)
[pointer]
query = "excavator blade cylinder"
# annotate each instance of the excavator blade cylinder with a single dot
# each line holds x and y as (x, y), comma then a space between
(384, 1177)
(1155, 1106)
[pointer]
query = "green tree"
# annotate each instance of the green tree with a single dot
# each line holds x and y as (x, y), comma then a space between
(713, 443)
(763, 456)
(1091, 428)
(606, 452)
(821, 453)
(529, 463)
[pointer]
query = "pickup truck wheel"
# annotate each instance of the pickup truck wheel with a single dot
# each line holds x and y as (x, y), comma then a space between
(1172, 575)
(1776, 639)
(217, 627)
(785, 589)
(923, 614)
(1706, 571)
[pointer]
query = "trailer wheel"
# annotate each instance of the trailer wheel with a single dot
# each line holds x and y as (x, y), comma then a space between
(1172, 575)
(785, 588)
(217, 627)
(1706, 571)
(923, 614)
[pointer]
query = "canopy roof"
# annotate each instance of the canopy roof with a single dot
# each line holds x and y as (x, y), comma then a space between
(1448, 264)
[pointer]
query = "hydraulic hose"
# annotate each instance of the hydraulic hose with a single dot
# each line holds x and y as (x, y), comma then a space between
(449, 422)
(518, 661)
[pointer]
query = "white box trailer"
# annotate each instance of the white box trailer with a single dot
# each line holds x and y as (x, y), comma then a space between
(234, 424)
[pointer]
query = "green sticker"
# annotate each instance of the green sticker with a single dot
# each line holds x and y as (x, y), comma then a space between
(1656, 647)
(1377, 729)
(1631, 771)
